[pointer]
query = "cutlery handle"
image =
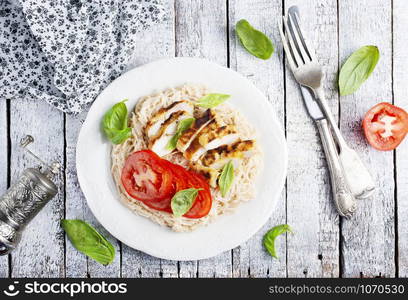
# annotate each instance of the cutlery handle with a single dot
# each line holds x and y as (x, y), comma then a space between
(342, 196)
(360, 182)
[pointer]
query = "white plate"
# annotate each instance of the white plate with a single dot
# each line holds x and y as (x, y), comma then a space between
(225, 233)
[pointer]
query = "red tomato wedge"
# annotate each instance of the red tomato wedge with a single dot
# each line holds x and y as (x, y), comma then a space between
(385, 126)
(154, 181)
(145, 177)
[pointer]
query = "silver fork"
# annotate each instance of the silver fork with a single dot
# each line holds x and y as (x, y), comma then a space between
(308, 72)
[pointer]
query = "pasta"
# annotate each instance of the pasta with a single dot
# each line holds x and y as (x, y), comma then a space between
(243, 186)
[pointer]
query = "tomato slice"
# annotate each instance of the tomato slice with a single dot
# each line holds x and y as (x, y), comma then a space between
(154, 181)
(184, 179)
(145, 177)
(385, 126)
(203, 202)
(178, 174)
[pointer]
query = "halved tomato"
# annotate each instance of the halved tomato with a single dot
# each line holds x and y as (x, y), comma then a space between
(145, 177)
(385, 126)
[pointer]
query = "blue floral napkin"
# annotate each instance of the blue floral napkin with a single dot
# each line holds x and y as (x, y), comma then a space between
(66, 51)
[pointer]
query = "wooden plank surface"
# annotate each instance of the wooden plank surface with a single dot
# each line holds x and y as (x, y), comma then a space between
(77, 265)
(400, 79)
(154, 43)
(251, 259)
(368, 239)
(41, 250)
(4, 264)
(323, 245)
(313, 248)
(201, 31)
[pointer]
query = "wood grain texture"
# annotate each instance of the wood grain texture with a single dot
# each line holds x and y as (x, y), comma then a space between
(251, 259)
(368, 239)
(400, 79)
(364, 245)
(4, 268)
(77, 264)
(41, 250)
(157, 42)
(313, 249)
(201, 31)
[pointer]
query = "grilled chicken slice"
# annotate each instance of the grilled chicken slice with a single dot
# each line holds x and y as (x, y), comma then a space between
(153, 126)
(190, 134)
(158, 143)
(218, 157)
(208, 173)
(194, 151)
(215, 138)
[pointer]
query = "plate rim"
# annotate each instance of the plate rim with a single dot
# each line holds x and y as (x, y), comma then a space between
(117, 235)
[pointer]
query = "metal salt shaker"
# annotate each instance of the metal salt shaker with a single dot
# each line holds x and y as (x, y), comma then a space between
(24, 199)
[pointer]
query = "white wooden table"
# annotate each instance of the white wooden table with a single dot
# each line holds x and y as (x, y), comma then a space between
(373, 243)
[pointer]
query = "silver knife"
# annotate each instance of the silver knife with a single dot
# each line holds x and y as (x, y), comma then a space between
(309, 73)
(342, 196)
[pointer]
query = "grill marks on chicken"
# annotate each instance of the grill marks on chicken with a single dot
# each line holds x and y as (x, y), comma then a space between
(208, 173)
(218, 157)
(223, 135)
(207, 144)
(167, 129)
(190, 134)
(153, 126)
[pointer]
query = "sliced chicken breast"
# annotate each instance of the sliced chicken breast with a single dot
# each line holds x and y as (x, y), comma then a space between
(190, 134)
(211, 136)
(194, 151)
(159, 142)
(208, 173)
(218, 157)
(153, 126)
(223, 135)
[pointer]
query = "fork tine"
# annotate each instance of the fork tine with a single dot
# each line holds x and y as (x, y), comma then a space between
(286, 47)
(300, 45)
(308, 48)
(292, 47)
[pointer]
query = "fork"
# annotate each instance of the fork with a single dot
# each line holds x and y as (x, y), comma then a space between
(308, 72)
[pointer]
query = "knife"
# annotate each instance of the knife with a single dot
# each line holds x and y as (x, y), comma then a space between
(342, 196)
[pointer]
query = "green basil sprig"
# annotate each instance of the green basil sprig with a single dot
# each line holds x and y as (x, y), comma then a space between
(183, 200)
(357, 68)
(226, 178)
(254, 41)
(88, 241)
(212, 100)
(115, 123)
(271, 235)
(182, 126)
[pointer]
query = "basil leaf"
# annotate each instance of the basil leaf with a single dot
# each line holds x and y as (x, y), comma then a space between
(183, 200)
(271, 235)
(226, 178)
(115, 123)
(182, 126)
(119, 136)
(88, 241)
(212, 100)
(357, 69)
(254, 41)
